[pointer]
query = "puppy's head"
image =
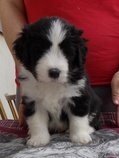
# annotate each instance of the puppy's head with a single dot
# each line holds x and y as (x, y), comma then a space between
(52, 50)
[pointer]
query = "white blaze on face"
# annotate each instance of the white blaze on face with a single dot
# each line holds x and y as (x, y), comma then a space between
(54, 57)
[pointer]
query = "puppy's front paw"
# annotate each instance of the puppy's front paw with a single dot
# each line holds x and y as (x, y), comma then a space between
(81, 137)
(39, 140)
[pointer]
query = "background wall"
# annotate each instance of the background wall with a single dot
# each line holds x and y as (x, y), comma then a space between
(7, 75)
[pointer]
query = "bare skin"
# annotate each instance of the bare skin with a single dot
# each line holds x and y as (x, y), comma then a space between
(12, 15)
(115, 92)
(13, 18)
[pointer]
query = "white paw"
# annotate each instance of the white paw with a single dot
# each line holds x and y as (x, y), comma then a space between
(81, 137)
(39, 140)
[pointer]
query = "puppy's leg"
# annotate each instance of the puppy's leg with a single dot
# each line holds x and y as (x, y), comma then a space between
(37, 121)
(38, 129)
(80, 129)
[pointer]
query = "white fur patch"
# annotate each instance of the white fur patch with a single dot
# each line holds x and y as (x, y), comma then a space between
(49, 98)
(81, 83)
(54, 57)
(38, 128)
(49, 95)
(57, 33)
(80, 129)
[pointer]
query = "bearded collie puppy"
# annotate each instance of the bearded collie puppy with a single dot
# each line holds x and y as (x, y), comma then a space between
(55, 89)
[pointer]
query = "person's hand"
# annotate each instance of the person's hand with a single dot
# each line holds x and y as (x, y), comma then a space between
(115, 92)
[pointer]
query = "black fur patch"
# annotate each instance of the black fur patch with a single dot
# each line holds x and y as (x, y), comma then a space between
(87, 104)
(32, 44)
(63, 116)
(75, 50)
(80, 106)
(29, 106)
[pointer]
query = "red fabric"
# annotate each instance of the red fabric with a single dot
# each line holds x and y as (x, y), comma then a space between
(100, 21)
(12, 127)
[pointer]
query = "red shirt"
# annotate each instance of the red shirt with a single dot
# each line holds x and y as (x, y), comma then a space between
(100, 21)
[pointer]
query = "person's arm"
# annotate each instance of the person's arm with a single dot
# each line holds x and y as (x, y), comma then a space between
(12, 15)
(115, 92)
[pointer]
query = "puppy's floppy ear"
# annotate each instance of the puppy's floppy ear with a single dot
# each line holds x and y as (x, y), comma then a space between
(80, 43)
(82, 49)
(20, 46)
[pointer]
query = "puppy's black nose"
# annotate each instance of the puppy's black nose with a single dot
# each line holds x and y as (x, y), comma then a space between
(54, 73)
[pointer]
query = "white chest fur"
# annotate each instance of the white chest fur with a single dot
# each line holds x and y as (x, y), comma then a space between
(49, 95)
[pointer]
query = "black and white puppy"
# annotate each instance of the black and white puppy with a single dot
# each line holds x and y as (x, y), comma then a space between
(55, 90)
